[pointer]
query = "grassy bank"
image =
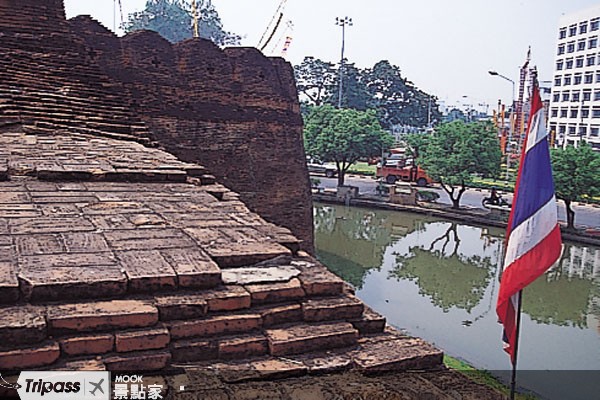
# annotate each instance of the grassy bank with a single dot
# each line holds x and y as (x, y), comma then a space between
(483, 377)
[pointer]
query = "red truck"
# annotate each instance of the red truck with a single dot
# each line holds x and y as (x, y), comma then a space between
(406, 173)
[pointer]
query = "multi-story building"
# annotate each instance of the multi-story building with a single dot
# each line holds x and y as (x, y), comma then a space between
(575, 97)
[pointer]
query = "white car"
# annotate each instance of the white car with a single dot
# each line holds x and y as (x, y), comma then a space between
(316, 167)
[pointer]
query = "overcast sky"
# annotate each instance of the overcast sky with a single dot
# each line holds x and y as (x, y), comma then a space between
(445, 47)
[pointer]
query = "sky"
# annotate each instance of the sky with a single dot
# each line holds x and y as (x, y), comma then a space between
(445, 47)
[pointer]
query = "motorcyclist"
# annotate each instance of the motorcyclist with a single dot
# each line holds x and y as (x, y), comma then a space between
(494, 198)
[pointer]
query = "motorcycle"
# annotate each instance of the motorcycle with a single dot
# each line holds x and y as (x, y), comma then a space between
(500, 201)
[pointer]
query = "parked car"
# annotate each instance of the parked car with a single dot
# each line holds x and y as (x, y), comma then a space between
(318, 167)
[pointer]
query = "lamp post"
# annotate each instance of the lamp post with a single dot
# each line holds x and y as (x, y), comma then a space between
(342, 22)
(512, 110)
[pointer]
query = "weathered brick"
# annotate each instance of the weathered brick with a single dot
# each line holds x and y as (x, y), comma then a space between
(215, 326)
(9, 284)
(243, 346)
(181, 306)
(21, 325)
(228, 298)
(31, 357)
(139, 361)
(271, 369)
(193, 267)
(142, 340)
(280, 314)
(369, 322)
(276, 292)
(317, 280)
(194, 350)
(332, 309)
(102, 315)
(82, 365)
(306, 338)
(90, 344)
(397, 355)
(147, 270)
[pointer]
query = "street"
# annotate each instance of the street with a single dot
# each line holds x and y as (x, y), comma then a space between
(585, 216)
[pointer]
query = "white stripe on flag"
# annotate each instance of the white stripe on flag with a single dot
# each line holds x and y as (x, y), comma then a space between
(537, 130)
(531, 232)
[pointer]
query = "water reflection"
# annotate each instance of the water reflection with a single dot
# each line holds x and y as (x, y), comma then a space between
(439, 280)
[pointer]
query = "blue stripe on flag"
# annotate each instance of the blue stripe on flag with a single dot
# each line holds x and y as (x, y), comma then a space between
(536, 186)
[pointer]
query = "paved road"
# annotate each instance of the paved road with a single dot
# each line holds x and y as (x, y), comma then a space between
(585, 216)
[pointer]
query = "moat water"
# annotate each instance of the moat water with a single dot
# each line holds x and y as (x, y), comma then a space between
(439, 279)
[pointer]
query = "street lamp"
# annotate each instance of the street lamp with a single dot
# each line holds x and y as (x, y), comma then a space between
(512, 110)
(342, 22)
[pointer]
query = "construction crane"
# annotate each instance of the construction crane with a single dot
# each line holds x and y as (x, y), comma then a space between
(273, 25)
(195, 17)
(115, 14)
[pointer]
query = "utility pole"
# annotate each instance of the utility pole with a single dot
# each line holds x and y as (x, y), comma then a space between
(342, 22)
(511, 123)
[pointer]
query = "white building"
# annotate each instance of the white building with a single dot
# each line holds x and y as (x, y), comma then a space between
(574, 113)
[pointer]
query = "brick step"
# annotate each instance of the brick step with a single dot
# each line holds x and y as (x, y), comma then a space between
(332, 308)
(304, 338)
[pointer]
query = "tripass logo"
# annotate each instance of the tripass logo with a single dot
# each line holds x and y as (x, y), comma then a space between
(67, 385)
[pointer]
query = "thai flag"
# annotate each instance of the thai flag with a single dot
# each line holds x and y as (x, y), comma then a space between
(533, 241)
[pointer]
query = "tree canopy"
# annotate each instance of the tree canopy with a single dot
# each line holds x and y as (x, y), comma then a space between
(343, 136)
(576, 174)
(456, 151)
(397, 101)
(173, 20)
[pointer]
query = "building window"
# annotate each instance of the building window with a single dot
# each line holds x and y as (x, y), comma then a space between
(583, 27)
(554, 113)
(579, 62)
(596, 113)
(595, 131)
(556, 98)
(559, 65)
(561, 49)
(581, 45)
(571, 130)
(565, 96)
(563, 113)
(587, 95)
(585, 113)
(591, 60)
(573, 30)
(567, 80)
(596, 95)
(570, 47)
(569, 63)
(589, 77)
(593, 43)
(557, 80)
(595, 24)
(577, 79)
(562, 129)
(562, 33)
(597, 76)
(574, 113)
(575, 96)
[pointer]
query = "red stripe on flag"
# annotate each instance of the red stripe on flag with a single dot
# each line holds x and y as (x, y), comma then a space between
(520, 274)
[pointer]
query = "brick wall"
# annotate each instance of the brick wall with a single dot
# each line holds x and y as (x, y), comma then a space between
(234, 111)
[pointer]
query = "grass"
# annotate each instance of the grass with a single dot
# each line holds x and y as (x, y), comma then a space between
(362, 168)
(483, 377)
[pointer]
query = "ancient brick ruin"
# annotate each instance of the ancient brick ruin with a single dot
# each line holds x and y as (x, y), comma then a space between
(116, 255)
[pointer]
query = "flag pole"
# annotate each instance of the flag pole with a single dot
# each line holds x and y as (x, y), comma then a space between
(513, 380)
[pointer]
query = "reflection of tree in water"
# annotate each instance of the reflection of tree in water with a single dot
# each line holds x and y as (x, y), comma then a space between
(567, 294)
(444, 274)
(351, 241)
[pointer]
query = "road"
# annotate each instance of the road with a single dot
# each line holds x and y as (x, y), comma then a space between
(585, 216)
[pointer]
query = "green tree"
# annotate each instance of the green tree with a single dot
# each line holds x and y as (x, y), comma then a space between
(456, 151)
(576, 176)
(343, 136)
(397, 100)
(315, 80)
(173, 20)
(354, 91)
